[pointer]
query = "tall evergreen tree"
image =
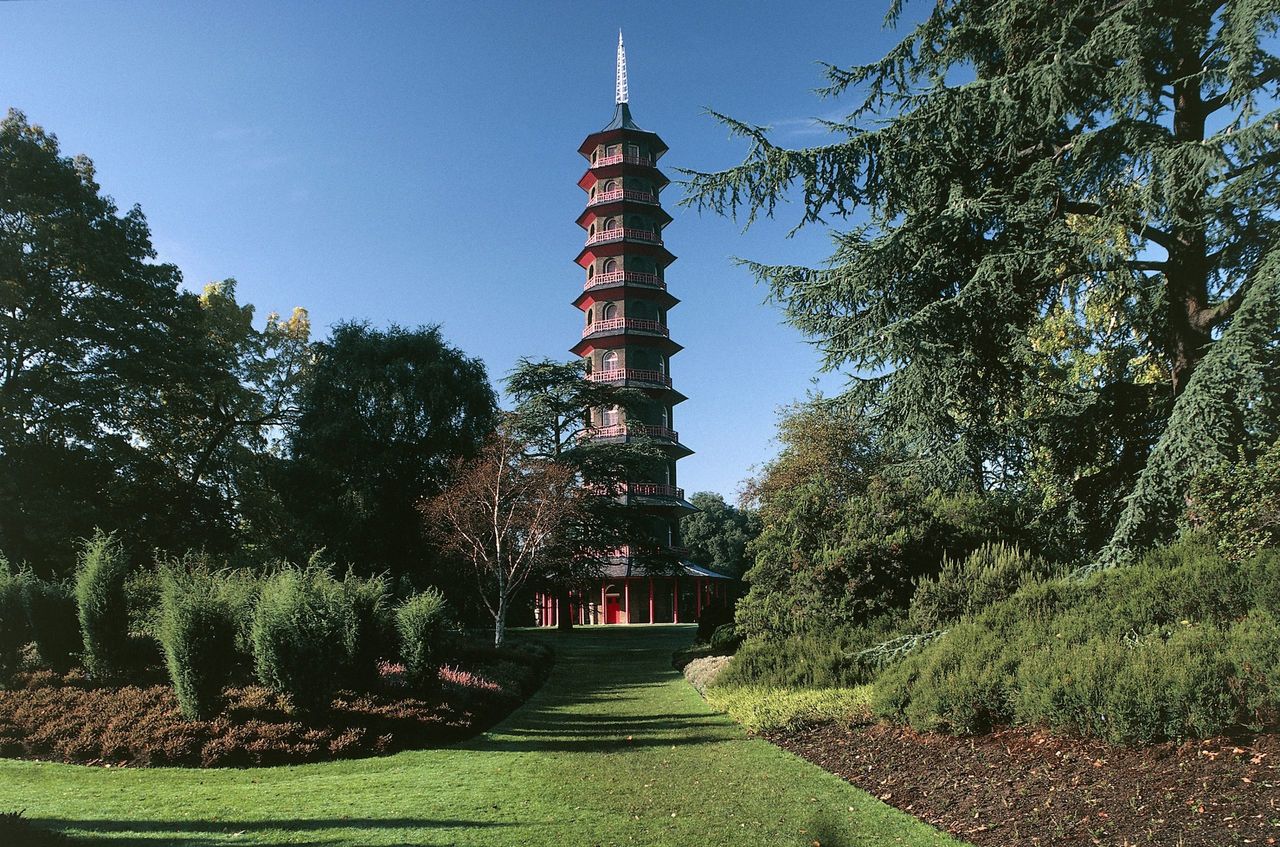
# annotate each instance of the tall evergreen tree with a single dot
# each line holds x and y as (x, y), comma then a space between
(1033, 185)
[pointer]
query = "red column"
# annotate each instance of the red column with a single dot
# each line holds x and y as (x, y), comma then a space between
(626, 597)
(675, 599)
(698, 583)
(650, 599)
(604, 603)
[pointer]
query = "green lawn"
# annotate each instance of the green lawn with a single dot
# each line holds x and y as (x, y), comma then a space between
(615, 749)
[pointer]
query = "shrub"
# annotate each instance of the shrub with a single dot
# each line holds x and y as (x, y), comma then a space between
(198, 633)
(703, 671)
(964, 586)
(726, 638)
(711, 619)
(420, 622)
(55, 627)
(13, 620)
(1170, 647)
(811, 659)
(103, 610)
(761, 709)
(368, 632)
(299, 636)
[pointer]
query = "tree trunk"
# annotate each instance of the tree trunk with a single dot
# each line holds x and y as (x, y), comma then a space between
(564, 617)
(500, 621)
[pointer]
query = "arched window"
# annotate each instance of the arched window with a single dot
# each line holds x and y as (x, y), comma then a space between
(609, 361)
(591, 271)
(591, 230)
(610, 312)
(589, 316)
(611, 224)
(609, 186)
(610, 265)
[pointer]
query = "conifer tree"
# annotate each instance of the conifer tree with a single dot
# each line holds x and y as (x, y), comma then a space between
(1053, 212)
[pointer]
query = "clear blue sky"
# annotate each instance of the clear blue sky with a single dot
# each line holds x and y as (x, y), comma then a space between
(415, 162)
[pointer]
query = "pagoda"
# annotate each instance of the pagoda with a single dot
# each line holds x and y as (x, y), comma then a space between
(626, 342)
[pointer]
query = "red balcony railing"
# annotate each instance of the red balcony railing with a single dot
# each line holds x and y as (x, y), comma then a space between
(623, 157)
(627, 277)
(654, 489)
(624, 194)
(622, 430)
(630, 375)
(608, 236)
(624, 324)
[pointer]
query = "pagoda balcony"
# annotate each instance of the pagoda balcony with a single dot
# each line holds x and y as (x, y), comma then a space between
(608, 236)
(625, 278)
(630, 375)
(627, 551)
(625, 325)
(654, 489)
(622, 159)
(627, 429)
(624, 194)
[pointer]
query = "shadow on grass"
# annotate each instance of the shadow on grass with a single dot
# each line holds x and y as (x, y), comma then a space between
(150, 833)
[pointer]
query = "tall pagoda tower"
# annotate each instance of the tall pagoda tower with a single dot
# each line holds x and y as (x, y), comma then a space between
(626, 342)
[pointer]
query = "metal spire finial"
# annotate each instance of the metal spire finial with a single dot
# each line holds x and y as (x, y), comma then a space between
(622, 70)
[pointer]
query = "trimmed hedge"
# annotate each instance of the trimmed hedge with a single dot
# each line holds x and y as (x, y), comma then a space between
(299, 635)
(102, 605)
(53, 621)
(420, 622)
(198, 633)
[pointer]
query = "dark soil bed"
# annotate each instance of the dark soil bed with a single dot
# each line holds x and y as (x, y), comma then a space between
(1023, 787)
(66, 719)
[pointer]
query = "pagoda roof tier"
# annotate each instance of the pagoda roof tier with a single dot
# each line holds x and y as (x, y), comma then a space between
(611, 339)
(611, 290)
(622, 247)
(652, 383)
(621, 168)
(628, 565)
(622, 125)
(617, 207)
(667, 440)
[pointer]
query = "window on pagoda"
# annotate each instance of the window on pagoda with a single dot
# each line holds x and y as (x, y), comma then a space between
(609, 416)
(609, 312)
(610, 265)
(609, 361)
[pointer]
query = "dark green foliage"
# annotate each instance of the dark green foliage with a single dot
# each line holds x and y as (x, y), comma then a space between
(420, 623)
(1229, 403)
(1170, 647)
(725, 639)
(14, 632)
(1060, 211)
(964, 587)
(1239, 504)
(370, 634)
(55, 626)
(717, 534)
(382, 421)
(300, 630)
(198, 633)
(102, 605)
(16, 830)
(826, 659)
(823, 561)
(711, 619)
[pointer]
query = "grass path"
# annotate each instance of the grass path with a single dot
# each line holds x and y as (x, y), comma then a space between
(616, 749)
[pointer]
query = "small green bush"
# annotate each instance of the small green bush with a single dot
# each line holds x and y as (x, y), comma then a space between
(14, 633)
(420, 622)
(198, 633)
(811, 659)
(55, 626)
(102, 605)
(762, 709)
(299, 636)
(368, 634)
(965, 586)
(725, 638)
